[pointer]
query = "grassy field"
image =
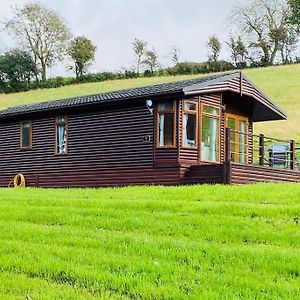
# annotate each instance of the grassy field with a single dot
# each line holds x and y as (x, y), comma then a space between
(199, 242)
(280, 83)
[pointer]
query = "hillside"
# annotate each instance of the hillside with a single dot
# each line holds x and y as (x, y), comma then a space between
(280, 83)
(198, 242)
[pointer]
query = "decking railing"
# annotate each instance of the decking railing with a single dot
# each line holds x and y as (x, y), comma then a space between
(262, 150)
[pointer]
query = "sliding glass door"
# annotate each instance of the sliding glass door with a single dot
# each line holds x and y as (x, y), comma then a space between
(210, 134)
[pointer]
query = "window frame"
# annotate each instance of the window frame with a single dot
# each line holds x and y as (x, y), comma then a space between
(168, 111)
(30, 135)
(218, 117)
(66, 123)
(190, 112)
(239, 118)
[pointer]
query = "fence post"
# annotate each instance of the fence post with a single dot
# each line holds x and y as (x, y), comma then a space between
(292, 155)
(261, 149)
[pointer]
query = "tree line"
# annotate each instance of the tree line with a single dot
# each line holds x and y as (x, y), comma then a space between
(263, 33)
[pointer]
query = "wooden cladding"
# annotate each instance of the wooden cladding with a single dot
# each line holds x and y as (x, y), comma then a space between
(100, 143)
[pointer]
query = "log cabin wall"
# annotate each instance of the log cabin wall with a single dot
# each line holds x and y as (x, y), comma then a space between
(105, 148)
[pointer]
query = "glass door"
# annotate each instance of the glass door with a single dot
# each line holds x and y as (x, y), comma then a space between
(238, 138)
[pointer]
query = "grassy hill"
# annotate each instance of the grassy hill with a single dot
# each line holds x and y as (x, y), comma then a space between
(280, 83)
(205, 242)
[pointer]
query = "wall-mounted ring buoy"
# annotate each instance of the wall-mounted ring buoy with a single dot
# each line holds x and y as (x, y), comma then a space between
(19, 180)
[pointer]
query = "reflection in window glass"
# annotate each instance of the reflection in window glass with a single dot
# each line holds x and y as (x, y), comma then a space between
(25, 133)
(210, 139)
(166, 106)
(61, 135)
(189, 130)
(242, 141)
(211, 110)
(190, 105)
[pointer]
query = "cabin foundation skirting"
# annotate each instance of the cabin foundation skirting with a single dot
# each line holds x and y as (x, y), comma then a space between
(98, 178)
(227, 173)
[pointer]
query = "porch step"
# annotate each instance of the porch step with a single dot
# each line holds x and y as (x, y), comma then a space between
(200, 174)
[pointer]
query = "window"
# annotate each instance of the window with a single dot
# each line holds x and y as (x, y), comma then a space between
(61, 135)
(210, 134)
(238, 138)
(189, 130)
(26, 135)
(166, 124)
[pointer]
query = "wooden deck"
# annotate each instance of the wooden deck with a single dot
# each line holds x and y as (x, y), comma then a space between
(235, 173)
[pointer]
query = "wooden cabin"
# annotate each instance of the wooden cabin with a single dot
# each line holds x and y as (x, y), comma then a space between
(184, 132)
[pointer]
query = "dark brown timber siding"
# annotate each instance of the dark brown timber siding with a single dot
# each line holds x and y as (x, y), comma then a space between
(241, 174)
(104, 148)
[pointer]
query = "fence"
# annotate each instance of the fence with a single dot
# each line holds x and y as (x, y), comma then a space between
(261, 150)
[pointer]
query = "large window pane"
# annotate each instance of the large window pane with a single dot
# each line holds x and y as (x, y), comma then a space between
(189, 130)
(166, 129)
(210, 139)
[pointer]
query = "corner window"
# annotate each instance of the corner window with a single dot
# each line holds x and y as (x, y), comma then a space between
(61, 138)
(166, 124)
(189, 130)
(210, 134)
(26, 135)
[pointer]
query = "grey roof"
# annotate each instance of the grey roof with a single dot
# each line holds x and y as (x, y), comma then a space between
(177, 87)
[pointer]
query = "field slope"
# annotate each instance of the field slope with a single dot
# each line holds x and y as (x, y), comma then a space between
(280, 83)
(201, 242)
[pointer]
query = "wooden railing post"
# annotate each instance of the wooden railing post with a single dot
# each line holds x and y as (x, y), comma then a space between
(261, 149)
(227, 145)
(292, 155)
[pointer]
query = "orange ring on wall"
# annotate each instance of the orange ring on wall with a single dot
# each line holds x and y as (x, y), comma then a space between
(19, 180)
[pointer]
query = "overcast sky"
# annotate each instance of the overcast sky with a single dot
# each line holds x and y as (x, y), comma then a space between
(113, 24)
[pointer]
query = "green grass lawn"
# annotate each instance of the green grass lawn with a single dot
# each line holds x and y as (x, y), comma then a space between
(199, 242)
(280, 83)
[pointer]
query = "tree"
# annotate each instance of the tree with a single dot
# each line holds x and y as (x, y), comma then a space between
(41, 32)
(82, 51)
(295, 12)
(139, 48)
(16, 69)
(175, 54)
(151, 60)
(288, 44)
(214, 48)
(238, 51)
(265, 23)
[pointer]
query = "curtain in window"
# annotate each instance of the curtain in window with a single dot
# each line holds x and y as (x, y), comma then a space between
(161, 130)
(185, 133)
(61, 135)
